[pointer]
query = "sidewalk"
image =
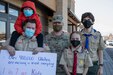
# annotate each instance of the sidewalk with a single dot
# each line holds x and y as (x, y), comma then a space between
(108, 64)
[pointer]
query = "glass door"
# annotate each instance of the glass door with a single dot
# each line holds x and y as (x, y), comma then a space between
(2, 32)
(11, 28)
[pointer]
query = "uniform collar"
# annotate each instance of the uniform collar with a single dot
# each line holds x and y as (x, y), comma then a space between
(24, 38)
(53, 35)
(77, 49)
(92, 32)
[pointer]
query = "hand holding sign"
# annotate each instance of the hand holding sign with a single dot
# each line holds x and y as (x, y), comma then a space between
(11, 50)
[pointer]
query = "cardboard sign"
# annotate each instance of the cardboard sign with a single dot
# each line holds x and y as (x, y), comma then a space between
(24, 63)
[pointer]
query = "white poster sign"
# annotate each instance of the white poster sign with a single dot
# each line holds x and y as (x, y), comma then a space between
(24, 63)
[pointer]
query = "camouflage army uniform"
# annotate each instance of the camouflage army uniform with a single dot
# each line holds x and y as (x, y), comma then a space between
(57, 44)
(95, 43)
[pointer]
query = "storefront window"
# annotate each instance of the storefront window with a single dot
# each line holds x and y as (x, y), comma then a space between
(2, 31)
(13, 12)
(11, 27)
(2, 8)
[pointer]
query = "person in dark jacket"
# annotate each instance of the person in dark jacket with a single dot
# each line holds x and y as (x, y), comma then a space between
(28, 11)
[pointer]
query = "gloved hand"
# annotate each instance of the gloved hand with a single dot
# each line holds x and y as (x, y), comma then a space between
(11, 50)
(38, 49)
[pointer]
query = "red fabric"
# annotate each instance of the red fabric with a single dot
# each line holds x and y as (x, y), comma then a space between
(21, 18)
(75, 64)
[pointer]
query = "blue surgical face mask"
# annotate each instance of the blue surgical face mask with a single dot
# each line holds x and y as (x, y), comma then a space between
(28, 12)
(29, 32)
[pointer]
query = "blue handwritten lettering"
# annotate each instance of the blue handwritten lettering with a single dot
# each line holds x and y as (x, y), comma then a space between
(12, 57)
(16, 62)
(10, 62)
(48, 64)
(35, 63)
(43, 59)
(20, 63)
(26, 58)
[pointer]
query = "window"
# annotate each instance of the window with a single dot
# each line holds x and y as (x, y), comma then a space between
(13, 11)
(11, 27)
(2, 8)
(2, 31)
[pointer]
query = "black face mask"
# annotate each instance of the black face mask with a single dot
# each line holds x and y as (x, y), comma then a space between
(75, 43)
(87, 23)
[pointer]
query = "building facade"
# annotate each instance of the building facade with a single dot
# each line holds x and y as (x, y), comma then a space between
(9, 11)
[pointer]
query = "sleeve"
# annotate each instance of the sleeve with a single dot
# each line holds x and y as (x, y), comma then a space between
(6, 43)
(62, 60)
(88, 61)
(101, 43)
(46, 47)
(18, 24)
(38, 26)
(46, 40)
(14, 36)
(40, 40)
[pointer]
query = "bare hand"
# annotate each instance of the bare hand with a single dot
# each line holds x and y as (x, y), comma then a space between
(100, 71)
(38, 49)
(46, 47)
(11, 50)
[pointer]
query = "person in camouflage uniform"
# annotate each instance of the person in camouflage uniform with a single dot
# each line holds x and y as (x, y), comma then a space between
(57, 40)
(93, 42)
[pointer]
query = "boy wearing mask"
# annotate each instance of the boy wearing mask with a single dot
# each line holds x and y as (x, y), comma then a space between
(28, 11)
(93, 43)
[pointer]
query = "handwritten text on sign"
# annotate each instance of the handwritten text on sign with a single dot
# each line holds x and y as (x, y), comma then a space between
(24, 63)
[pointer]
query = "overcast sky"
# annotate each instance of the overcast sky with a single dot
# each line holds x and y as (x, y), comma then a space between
(102, 11)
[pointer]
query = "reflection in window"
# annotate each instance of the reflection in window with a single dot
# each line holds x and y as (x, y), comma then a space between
(11, 27)
(13, 12)
(2, 31)
(2, 8)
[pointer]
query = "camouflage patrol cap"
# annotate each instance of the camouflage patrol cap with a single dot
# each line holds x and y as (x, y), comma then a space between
(57, 18)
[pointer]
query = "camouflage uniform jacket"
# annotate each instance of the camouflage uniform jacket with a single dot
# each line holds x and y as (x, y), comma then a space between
(57, 43)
